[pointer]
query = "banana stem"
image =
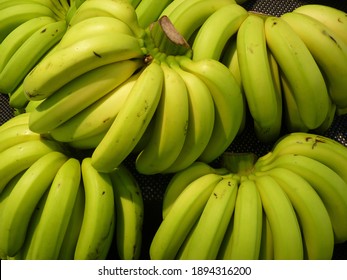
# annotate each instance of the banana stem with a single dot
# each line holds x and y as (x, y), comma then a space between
(239, 163)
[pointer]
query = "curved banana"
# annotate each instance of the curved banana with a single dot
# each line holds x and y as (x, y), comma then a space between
(185, 211)
(300, 69)
(17, 99)
(200, 119)
(188, 16)
(29, 54)
(331, 188)
(68, 246)
(170, 125)
(17, 134)
(91, 26)
(88, 143)
(282, 219)
(182, 179)
(245, 240)
(314, 220)
(16, 120)
(318, 147)
(215, 32)
(65, 65)
(129, 213)
(122, 10)
(253, 58)
(13, 16)
(148, 11)
(228, 102)
(138, 111)
(51, 228)
(98, 223)
(333, 18)
(97, 117)
(23, 199)
(18, 36)
(80, 93)
(21, 156)
(208, 235)
(266, 251)
(327, 49)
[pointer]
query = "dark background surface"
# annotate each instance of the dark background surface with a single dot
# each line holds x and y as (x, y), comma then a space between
(153, 187)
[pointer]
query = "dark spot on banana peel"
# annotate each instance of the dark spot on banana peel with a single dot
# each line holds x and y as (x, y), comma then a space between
(97, 55)
(43, 30)
(103, 193)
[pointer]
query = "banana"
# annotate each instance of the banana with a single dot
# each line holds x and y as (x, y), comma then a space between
(17, 98)
(285, 228)
(17, 134)
(182, 179)
(300, 69)
(266, 251)
(65, 65)
(323, 149)
(329, 120)
(31, 105)
(189, 16)
(213, 222)
(120, 9)
(217, 30)
(245, 239)
(327, 49)
(97, 117)
(228, 102)
(18, 36)
(200, 119)
(185, 211)
(138, 111)
(253, 59)
(68, 246)
(15, 120)
(314, 220)
(29, 54)
(88, 143)
(23, 199)
(134, 3)
(80, 93)
(13, 16)
(330, 187)
(291, 115)
(98, 223)
(21, 156)
(169, 131)
(148, 11)
(91, 26)
(129, 213)
(50, 231)
(172, 6)
(333, 18)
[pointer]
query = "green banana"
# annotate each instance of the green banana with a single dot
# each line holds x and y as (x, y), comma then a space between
(300, 69)
(17, 99)
(217, 30)
(201, 119)
(228, 103)
(285, 228)
(138, 111)
(170, 125)
(50, 230)
(129, 213)
(98, 223)
(244, 242)
(253, 59)
(213, 222)
(333, 18)
(65, 65)
(314, 220)
(148, 11)
(185, 211)
(327, 49)
(97, 117)
(21, 156)
(266, 251)
(15, 120)
(23, 199)
(80, 93)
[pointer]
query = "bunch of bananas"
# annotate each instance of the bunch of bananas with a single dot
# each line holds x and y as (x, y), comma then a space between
(56, 206)
(293, 65)
(288, 204)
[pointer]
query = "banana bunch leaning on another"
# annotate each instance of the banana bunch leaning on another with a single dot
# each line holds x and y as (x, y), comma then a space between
(290, 203)
(54, 205)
